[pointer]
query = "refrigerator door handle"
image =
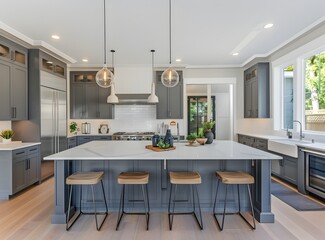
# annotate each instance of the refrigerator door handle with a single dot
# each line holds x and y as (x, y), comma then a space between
(53, 123)
(57, 121)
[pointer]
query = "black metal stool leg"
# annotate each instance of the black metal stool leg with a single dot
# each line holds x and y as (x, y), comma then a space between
(145, 206)
(252, 210)
(199, 206)
(171, 215)
(121, 208)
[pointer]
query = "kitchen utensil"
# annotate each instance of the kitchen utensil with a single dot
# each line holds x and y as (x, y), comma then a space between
(85, 128)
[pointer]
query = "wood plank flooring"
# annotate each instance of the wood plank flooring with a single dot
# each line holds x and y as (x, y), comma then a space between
(28, 216)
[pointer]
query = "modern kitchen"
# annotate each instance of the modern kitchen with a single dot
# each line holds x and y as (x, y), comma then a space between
(122, 127)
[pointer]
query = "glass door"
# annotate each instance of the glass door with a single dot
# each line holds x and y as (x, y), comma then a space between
(197, 112)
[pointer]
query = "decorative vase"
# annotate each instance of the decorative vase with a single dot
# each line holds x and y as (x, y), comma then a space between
(169, 138)
(4, 140)
(209, 136)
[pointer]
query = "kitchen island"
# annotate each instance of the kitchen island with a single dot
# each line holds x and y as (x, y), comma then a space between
(113, 157)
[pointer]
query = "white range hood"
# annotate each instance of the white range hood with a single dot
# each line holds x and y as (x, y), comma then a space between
(133, 80)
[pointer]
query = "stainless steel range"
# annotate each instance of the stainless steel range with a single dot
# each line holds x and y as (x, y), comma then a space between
(132, 136)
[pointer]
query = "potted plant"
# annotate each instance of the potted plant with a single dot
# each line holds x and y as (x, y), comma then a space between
(73, 127)
(207, 126)
(7, 135)
(201, 139)
(191, 138)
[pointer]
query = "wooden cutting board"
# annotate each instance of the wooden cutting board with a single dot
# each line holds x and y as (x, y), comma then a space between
(157, 149)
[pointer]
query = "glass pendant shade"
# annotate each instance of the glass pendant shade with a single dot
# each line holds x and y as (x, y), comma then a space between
(112, 98)
(153, 97)
(104, 77)
(170, 77)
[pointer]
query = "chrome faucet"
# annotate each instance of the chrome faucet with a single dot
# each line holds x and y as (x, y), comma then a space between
(301, 136)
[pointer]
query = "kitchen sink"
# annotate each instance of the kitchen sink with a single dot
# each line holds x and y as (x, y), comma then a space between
(287, 147)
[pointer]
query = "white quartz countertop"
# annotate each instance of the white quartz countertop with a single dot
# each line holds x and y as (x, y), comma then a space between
(89, 135)
(135, 150)
(16, 145)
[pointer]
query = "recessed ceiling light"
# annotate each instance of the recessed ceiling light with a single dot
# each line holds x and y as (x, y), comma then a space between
(269, 25)
(235, 54)
(49, 62)
(178, 60)
(85, 60)
(55, 37)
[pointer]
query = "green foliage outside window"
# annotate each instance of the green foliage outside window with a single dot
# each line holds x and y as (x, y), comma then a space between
(315, 82)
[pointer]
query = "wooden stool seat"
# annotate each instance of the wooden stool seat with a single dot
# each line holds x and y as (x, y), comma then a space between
(185, 178)
(133, 178)
(85, 178)
(235, 177)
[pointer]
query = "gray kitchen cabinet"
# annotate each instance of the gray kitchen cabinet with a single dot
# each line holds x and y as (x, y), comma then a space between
(170, 104)
(14, 84)
(26, 166)
(286, 169)
(257, 91)
(19, 169)
(52, 65)
(87, 99)
(72, 142)
(78, 140)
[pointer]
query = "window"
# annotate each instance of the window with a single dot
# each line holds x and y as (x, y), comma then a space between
(315, 92)
(287, 110)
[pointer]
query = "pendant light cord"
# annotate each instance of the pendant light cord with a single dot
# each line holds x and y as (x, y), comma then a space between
(104, 32)
(170, 32)
(152, 65)
(113, 51)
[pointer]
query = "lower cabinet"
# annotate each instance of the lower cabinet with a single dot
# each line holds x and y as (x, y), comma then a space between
(78, 140)
(19, 169)
(286, 169)
(25, 167)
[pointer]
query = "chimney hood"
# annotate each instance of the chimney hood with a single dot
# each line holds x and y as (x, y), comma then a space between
(133, 99)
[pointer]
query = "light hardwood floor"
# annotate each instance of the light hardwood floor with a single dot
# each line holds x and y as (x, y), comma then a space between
(28, 216)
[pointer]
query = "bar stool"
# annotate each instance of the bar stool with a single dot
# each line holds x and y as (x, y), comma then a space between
(185, 178)
(86, 178)
(238, 178)
(130, 178)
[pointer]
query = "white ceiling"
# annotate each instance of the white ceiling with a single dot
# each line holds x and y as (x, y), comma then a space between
(205, 33)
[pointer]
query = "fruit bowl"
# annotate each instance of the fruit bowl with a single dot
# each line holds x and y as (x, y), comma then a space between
(201, 141)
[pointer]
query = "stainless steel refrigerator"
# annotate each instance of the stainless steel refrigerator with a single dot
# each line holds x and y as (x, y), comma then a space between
(53, 120)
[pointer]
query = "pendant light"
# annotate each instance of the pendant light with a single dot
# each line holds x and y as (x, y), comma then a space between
(153, 97)
(170, 77)
(112, 98)
(104, 77)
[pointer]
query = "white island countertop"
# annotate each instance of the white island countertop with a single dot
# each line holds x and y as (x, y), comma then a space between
(16, 145)
(135, 150)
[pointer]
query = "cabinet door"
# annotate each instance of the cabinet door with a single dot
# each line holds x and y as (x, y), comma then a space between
(162, 106)
(248, 100)
(77, 109)
(176, 101)
(32, 171)
(254, 95)
(91, 100)
(5, 76)
(18, 92)
(105, 110)
(277, 168)
(19, 174)
(290, 170)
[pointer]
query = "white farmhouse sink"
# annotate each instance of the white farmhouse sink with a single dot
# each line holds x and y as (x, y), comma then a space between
(287, 147)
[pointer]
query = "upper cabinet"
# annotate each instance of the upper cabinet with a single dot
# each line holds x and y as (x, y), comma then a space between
(52, 65)
(257, 91)
(14, 81)
(170, 104)
(87, 99)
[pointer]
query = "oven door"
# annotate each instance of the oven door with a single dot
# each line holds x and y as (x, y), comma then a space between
(315, 173)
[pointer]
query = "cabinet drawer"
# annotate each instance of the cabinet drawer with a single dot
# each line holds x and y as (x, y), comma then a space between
(103, 138)
(33, 150)
(19, 153)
